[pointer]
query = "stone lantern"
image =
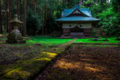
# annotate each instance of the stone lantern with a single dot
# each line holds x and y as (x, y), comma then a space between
(15, 36)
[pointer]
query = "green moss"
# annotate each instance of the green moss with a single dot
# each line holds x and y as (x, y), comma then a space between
(17, 74)
(47, 40)
(28, 66)
(87, 40)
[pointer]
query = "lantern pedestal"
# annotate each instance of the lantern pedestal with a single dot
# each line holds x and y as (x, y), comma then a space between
(15, 36)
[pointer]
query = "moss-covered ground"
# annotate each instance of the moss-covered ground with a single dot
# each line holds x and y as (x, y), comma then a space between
(89, 40)
(24, 61)
(47, 40)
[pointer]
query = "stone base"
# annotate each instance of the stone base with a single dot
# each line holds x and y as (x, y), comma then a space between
(15, 41)
(15, 37)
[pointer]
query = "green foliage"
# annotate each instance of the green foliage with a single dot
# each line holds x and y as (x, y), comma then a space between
(88, 3)
(109, 22)
(33, 23)
(116, 21)
(96, 9)
(116, 5)
(93, 33)
(106, 17)
(58, 14)
(109, 15)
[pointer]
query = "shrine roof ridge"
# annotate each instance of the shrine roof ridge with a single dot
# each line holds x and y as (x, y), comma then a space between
(85, 11)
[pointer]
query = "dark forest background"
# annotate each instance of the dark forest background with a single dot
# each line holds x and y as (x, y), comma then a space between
(38, 16)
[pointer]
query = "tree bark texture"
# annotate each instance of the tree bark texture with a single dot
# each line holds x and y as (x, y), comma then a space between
(17, 11)
(9, 26)
(7, 15)
(0, 19)
(24, 17)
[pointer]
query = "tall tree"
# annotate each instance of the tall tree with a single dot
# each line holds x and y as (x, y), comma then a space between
(24, 17)
(34, 4)
(116, 5)
(17, 11)
(28, 5)
(7, 14)
(9, 27)
(0, 19)
(21, 10)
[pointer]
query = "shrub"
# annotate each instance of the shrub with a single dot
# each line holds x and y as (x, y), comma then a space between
(95, 32)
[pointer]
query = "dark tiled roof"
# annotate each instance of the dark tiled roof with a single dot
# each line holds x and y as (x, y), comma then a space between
(67, 12)
(85, 11)
(77, 18)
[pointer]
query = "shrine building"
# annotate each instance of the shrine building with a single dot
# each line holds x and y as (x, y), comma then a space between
(77, 22)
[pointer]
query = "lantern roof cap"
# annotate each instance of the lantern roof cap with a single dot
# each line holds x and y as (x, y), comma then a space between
(15, 20)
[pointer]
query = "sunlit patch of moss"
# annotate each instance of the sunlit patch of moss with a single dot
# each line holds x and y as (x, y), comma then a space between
(50, 54)
(28, 65)
(17, 73)
(3, 69)
(42, 59)
(1, 35)
(92, 69)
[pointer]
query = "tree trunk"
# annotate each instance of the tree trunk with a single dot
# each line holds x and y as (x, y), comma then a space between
(17, 11)
(7, 16)
(0, 19)
(24, 17)
(68, 4)
(35, 6)
(44, 16)
(43, 22)
(9, 27)
(27, 5)
(21, 10)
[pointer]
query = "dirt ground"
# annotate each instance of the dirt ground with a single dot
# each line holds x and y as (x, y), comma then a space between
(85, 63)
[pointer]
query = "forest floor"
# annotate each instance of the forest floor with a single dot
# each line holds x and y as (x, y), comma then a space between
(24, 61)
(85, 62)
(34, 56)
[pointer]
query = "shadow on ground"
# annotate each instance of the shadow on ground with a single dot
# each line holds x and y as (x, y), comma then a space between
(85, 63)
